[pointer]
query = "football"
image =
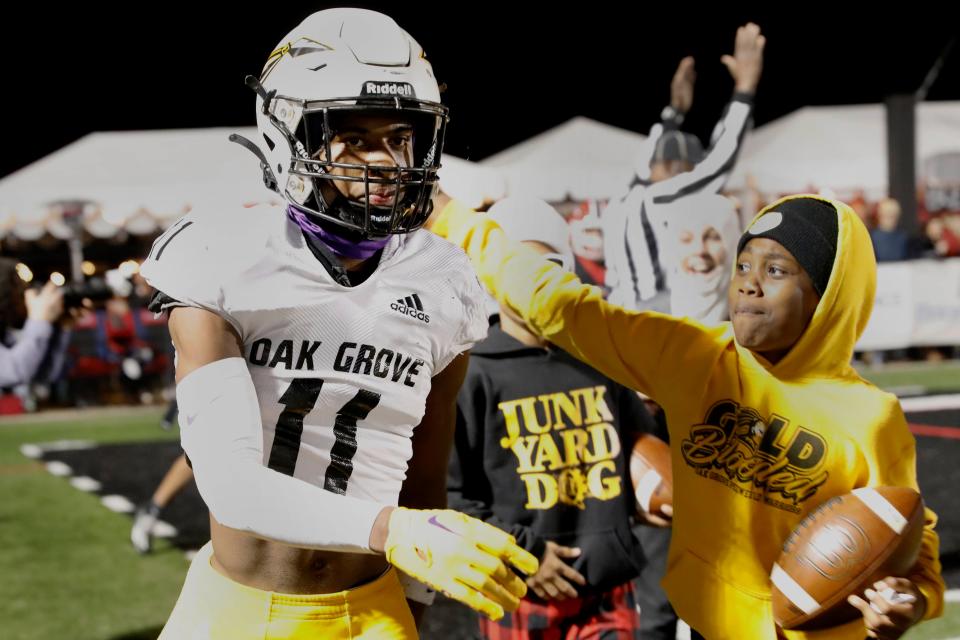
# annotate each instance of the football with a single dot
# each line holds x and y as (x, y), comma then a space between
(843, 547)
(651, 475)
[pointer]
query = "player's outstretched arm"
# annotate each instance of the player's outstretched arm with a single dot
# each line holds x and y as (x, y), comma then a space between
(627, 346)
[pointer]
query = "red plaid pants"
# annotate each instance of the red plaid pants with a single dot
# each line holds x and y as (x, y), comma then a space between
(612, 615)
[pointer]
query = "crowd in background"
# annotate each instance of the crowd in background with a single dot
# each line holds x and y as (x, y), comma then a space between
(118, 352)
(108, 351)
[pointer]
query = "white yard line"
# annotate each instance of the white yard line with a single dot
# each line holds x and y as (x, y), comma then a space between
(931, 403)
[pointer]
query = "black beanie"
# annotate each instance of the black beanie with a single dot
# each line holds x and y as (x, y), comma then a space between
(678, 145)
(807, 228)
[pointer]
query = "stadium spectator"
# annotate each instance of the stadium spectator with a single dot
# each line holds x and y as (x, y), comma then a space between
(944, 236)
(39, 316)
(672, 166)
(803, 289)
(699, 248)
(575, 516)
(890, 244)
(586, 240)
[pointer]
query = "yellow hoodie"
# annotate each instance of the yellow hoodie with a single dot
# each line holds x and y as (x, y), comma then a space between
(755, 446)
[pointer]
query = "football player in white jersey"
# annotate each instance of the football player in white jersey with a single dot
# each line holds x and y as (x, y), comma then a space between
(320, 346)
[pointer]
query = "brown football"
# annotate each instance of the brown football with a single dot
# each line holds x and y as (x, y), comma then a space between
(843, 547)
(651, 474)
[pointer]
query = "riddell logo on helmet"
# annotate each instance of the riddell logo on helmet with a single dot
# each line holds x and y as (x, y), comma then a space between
(401, 89)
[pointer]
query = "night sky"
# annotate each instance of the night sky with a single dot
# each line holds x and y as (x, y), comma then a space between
(76, 70)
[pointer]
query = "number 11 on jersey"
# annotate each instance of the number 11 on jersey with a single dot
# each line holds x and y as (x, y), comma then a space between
(298, 400)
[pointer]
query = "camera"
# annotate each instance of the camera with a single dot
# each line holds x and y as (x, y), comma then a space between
(96, 290)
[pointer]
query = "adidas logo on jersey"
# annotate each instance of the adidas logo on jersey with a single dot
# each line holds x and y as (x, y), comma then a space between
(411, 306)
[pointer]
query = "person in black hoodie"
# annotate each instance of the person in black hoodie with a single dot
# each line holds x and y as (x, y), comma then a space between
(541, 450)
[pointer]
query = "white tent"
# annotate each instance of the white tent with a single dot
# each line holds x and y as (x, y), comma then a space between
(580, 159)
(838, 148)
(142, 181)
(137, 180)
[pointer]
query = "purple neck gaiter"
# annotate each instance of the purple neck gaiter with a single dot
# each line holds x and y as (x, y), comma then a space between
(358, 250)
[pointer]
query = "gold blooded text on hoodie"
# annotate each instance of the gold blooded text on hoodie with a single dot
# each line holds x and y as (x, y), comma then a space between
(755, 446)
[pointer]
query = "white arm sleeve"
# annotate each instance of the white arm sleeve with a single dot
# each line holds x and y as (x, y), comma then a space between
(222, 435)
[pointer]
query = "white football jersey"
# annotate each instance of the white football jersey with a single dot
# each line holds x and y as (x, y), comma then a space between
(342, 373)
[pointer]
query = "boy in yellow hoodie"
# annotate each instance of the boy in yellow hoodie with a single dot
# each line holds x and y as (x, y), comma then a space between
(768, 419)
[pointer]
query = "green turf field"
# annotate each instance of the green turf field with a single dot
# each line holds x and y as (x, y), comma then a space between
(914, 378)
(69, 570)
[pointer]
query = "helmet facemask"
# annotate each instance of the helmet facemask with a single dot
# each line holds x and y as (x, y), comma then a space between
(392, 195)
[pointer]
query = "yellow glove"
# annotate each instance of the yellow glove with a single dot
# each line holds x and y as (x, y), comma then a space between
(460, 556)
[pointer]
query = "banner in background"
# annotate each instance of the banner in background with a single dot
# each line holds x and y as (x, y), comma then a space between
(917, 304)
